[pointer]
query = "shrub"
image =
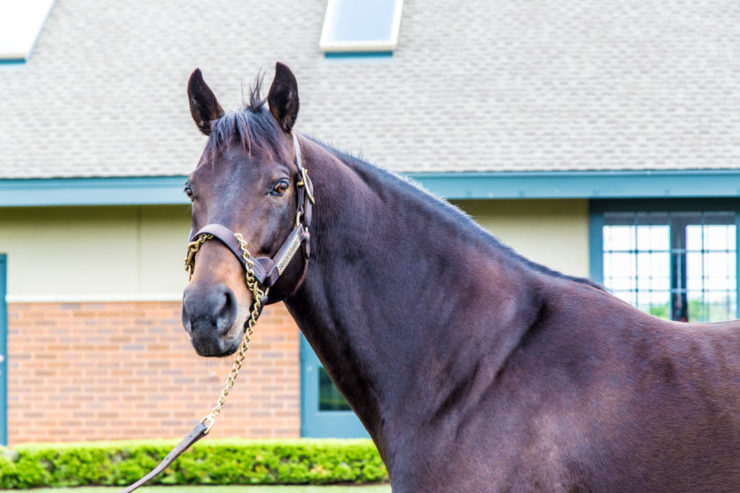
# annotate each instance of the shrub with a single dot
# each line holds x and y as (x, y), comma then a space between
(215, 462)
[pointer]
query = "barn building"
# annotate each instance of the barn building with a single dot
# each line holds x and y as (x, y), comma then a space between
(601, 139)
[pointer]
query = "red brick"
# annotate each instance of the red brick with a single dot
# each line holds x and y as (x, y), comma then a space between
(84, 371)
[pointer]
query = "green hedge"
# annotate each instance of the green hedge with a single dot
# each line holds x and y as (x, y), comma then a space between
(213, 462)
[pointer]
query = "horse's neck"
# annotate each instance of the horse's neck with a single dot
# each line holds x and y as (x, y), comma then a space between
(396, 294)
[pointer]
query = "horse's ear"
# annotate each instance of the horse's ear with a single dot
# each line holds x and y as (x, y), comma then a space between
(283, 97)
(203, 104)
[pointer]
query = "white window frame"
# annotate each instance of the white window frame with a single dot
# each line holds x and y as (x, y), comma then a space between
(20, 27)
(329, 46)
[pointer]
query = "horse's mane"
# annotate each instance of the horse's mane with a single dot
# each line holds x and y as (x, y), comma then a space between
(254, 128)
(389, 179)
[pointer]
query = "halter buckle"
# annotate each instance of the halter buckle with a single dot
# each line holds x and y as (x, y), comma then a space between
(306, 182)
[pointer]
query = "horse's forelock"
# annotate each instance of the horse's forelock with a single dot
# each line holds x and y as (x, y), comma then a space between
(252, 127)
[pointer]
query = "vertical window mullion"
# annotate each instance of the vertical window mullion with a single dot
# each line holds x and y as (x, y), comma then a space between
(635, 266)
(675, 256)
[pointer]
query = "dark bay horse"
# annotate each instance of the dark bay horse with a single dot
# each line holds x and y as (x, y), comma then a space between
(473, 369)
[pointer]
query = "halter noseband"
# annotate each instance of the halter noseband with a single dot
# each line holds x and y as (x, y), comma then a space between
(265, 271)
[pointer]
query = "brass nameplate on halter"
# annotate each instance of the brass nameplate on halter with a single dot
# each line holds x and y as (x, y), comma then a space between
(290, 252)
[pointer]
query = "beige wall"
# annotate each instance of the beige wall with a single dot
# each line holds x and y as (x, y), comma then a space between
(94, 253)
(136, 253)
(551, 232)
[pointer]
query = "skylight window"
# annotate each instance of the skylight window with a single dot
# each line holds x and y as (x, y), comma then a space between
(20, 25)
(361, 26)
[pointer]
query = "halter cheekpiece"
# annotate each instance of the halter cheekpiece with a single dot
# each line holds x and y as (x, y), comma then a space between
(265, 270)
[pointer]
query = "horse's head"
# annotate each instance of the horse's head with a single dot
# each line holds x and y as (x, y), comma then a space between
(247, 182)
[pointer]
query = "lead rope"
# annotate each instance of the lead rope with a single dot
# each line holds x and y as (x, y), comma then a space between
(205, 424)
(254, 314)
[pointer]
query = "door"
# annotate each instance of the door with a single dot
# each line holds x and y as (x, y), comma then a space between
(324, 412)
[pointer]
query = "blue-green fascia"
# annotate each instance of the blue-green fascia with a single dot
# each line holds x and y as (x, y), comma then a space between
(158, 190)
(582, 184)
(154, 190)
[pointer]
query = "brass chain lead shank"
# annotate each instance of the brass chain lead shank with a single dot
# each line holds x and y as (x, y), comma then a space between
(193, 248)
(257, 294)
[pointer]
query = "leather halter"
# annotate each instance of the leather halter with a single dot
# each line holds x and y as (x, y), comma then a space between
(267, 270)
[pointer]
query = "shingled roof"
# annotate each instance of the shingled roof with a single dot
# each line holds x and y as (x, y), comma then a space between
(510, 85)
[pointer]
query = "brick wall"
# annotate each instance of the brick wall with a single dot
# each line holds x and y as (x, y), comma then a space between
(95, 371)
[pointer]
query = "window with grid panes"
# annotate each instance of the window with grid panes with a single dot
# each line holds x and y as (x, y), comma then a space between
(674, 265)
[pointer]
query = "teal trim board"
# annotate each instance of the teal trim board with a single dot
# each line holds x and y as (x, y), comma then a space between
(153, 190)
(314, 422)
(358, 55)
(596, 245)
(158, 190)
(3, 352)
(582, 184)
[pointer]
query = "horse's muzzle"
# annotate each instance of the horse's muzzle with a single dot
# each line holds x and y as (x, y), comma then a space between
(208, 315)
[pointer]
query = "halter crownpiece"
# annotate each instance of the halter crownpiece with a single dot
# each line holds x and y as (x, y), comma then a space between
(261, 273)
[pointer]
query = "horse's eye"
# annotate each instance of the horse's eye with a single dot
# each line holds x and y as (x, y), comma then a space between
(280, 187)
(188, 190)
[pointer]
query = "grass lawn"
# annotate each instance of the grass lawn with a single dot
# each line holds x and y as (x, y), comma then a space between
(383, 488)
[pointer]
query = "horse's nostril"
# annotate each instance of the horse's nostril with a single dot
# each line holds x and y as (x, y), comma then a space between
(186, 313)
(227, 313)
